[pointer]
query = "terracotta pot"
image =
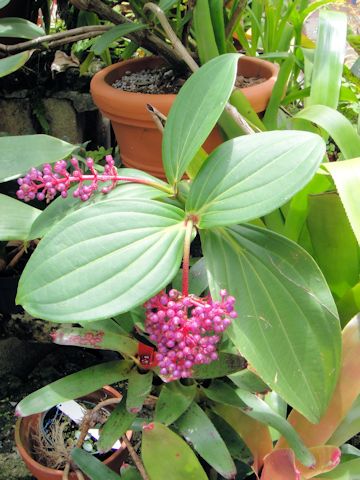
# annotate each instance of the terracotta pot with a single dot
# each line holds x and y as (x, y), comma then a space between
(137, 136)
(27, 426)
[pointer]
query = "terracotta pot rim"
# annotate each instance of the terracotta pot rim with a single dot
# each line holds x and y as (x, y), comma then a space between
(100, 78)
(27, 458)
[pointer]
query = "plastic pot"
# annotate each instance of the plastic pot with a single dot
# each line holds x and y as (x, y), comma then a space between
(136, 134)
(26, 427)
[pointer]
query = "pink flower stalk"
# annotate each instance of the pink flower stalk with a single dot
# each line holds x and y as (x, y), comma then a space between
(186, 329)
(47, 183)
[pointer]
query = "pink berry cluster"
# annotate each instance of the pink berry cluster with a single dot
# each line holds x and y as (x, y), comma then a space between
(186, 330)
(50, 181)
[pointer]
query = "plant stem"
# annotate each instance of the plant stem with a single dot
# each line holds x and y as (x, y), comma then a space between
(186, 258)
(136, 458)
(235, 17)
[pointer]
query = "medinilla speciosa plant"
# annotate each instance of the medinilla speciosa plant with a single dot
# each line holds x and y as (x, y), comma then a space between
(113, 244)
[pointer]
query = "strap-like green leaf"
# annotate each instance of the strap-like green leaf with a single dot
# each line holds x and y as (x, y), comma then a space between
(284, 307)
(346, 176)
(250, 176)
(336, 125)
(166, 455)
(116, 426)
(139, 387)
(173, 400)
(115, 33)
(20, 153)
(196, 427)
(103, 260)
(195, 111)
(74, 386)
(91, 466)
(16, 219)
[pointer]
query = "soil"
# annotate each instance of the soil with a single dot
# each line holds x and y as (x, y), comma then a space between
(159, 81)
(166, 80)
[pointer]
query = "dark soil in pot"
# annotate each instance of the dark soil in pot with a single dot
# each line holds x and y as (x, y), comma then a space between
(165, 80)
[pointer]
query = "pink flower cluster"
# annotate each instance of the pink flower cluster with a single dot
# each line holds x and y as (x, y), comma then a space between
(50, 181)
(186, 330)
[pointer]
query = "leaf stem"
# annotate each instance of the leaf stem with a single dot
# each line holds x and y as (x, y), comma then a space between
(186, 257)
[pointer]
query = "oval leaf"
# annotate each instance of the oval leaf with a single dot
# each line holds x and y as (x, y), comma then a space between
(251, 176)
(196, 427)
(74, 386)
(13, 63)
(166, 455)
(173, 400)
(19, 28)
(226, 363)
(283, 304)
(20, 153)
(195, 112)
(17, 219)
(103, 260)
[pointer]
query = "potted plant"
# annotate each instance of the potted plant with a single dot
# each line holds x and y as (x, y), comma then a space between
(40, 438)
(135, 131)
(101, 259)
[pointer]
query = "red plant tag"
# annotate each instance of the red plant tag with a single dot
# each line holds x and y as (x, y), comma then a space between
(146, 356)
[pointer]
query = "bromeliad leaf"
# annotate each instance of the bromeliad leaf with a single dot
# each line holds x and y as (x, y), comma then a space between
(195, 112)
(258, 173)
(139, 386)
(173, 400)
(116, 426)
(284, 307)
(74, 386)
(103, 260)
(91, 466)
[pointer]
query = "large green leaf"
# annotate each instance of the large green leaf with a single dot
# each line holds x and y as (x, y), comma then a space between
(196, 427)
(116, 426)
(103, 260)
(19, 28)
(346, 176)
(139, 387)
(74, 386)
(328, 59)
(195, 111)
(166, 455)
(91, 466)
(173, 400)
(288, 327)
(115, 33)
(250, 176)
(336, 125)
(20, 153)
(61, 207)
(17, 218)
(335, 247)
(3, 3)
(13, 63)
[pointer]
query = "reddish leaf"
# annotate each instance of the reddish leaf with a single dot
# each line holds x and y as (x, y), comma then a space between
(280, 465)
(327, 458)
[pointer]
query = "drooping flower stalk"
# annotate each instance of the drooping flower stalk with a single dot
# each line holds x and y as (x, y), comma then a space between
(46, 184)
(186, 258)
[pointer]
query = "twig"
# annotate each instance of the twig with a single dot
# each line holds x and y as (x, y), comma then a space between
(239, 119)
(158, 117)
(65, 475)
(61, 37)
(136, 458)
(178, 46)
(144, 38)
(79, 475)
(235, 17)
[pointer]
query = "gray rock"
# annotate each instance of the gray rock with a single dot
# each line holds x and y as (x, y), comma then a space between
(15, 118)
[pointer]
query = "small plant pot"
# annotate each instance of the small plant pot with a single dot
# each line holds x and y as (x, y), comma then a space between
(136, 134)
(27, 427)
